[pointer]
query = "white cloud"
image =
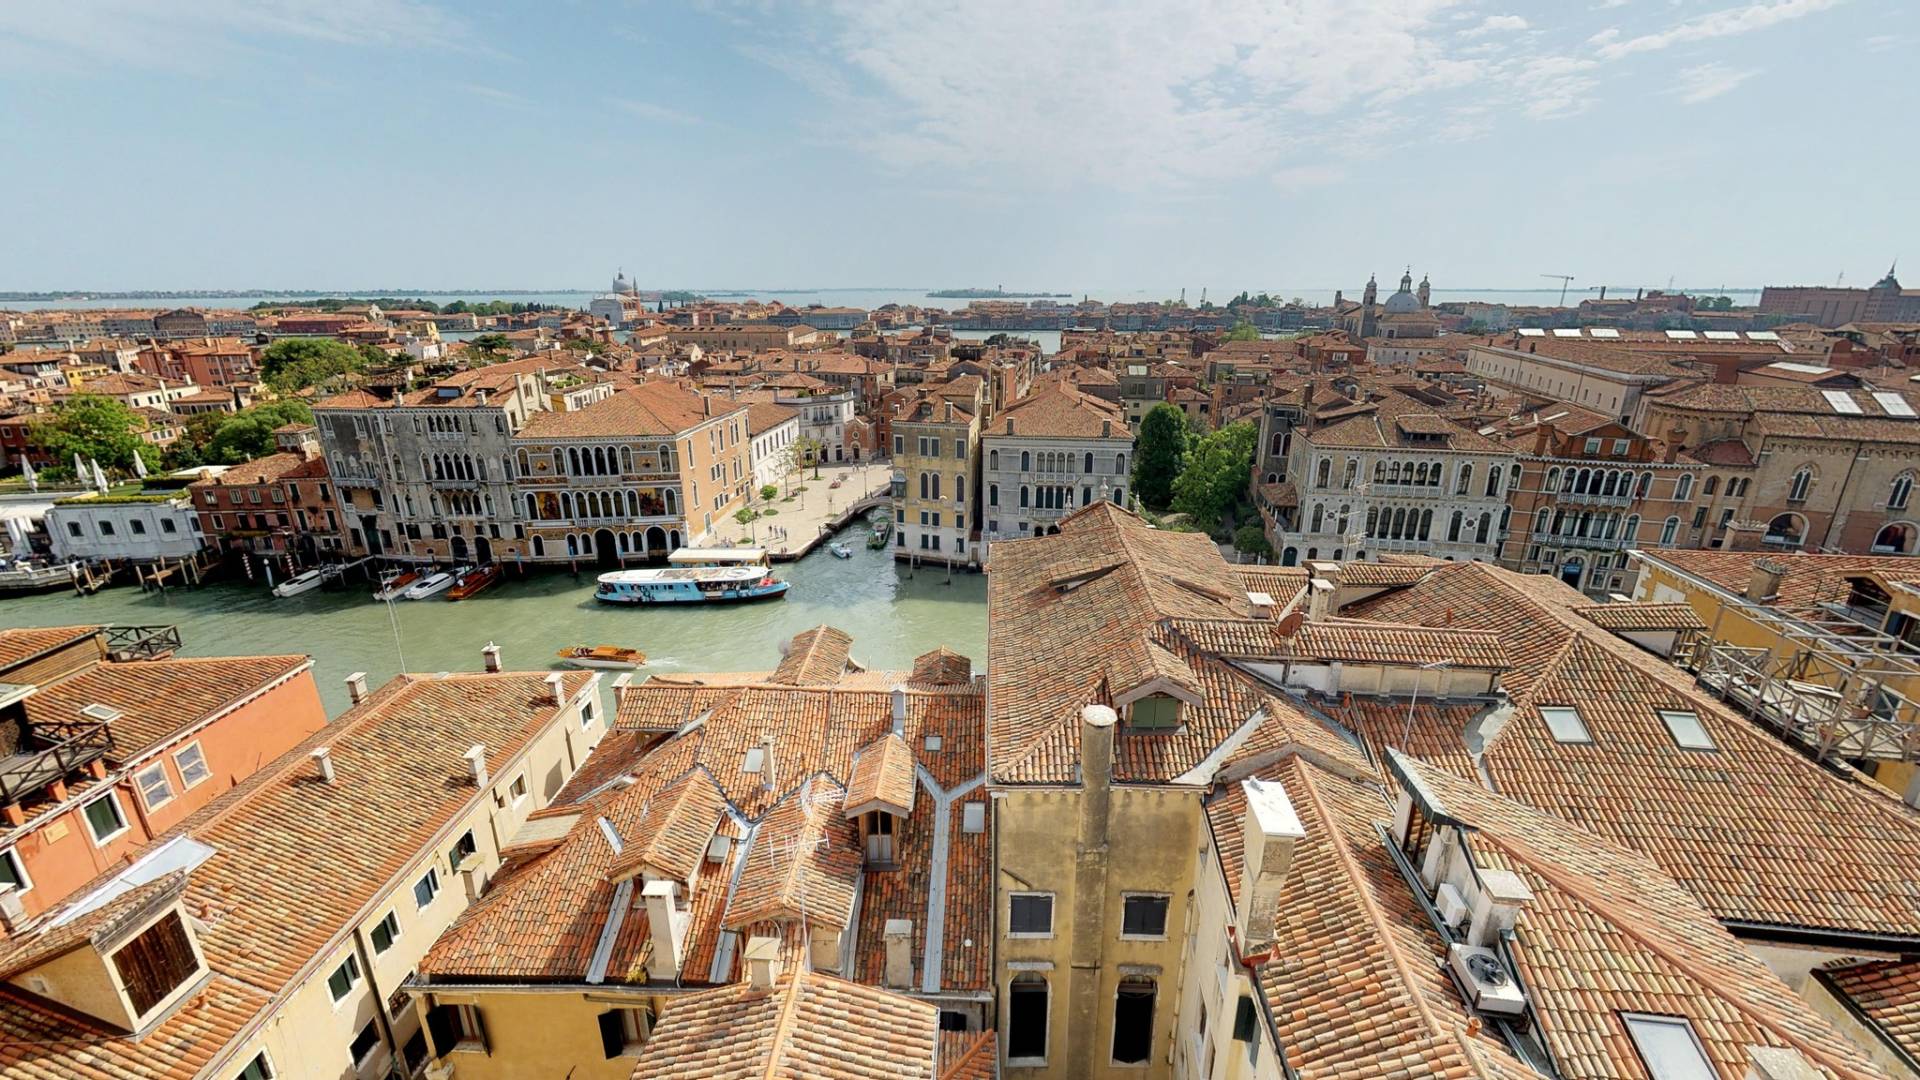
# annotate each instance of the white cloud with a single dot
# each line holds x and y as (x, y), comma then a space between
(647, 110)
(1726, 22)
(1496, 24)
(178, 34)
(493, 93)
(1704, 82)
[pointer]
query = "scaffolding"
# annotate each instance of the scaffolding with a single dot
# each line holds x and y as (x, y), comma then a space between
(1831, 683)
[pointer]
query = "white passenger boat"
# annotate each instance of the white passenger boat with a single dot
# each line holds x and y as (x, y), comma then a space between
(839, 550)
(694, 576)
(305, 581)
(431, 585)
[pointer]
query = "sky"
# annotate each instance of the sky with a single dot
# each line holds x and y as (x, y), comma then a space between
(1035, 144)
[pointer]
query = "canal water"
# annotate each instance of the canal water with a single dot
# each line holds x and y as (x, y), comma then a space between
(892, 614)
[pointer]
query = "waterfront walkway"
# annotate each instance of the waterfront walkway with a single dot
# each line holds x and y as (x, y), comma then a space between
(805, 522)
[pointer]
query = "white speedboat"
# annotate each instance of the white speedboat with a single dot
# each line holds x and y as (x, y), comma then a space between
(431, 585)
(395, 586)
(305, 581)
(839, 550)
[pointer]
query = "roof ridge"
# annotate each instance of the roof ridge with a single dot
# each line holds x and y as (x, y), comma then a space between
(783, 1026)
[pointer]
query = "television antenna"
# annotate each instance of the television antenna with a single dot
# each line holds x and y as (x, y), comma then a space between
(1565, 280)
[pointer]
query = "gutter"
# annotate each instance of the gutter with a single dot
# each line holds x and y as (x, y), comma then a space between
(1843, 941)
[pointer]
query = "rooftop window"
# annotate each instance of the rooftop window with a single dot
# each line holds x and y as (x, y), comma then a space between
(155, 964)
(1668, 1047)
(1155, 712)
(1565, 724)
(1687, 730)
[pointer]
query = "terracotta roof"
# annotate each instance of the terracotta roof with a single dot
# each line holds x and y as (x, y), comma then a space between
(1759, 833)
(1056, 410)
(1633, 617)
(1885, 993)
(264, 907)
(882, 776)
(810, 1025)
(652, 408)
(1359, 642)
(158, 698)
(17, 646)
(815, 657)
(258, 471)
(764, 416)
(1810, 579)
(1731, 452)
(942, 667)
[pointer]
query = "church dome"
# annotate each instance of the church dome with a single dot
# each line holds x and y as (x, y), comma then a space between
(1403, 302)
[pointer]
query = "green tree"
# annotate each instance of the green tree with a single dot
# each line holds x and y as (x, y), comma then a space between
(1161, 451)
(98, 429)
(248, 434)
(1251, 539)
(1243, 331)
(296, 363)
(1215, 475)
(577, 344)
(486, 348)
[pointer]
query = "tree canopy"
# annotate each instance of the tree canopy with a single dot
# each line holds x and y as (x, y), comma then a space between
(1215, 475)
(231, 438)
(97, 428)
(486, 348)
(1243, 331)
(1161, 450)
(296, 363)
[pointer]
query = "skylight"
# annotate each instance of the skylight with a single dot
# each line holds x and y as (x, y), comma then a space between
(1762, 335)
(1723, 335)
(1565, 723)
(1687, 730)
(1604, 331)
(756, 756)
(1842, 402)
(1530, 331)
(1668, 1047)
(1892, 404)
(1566, 333)
(1682, 335)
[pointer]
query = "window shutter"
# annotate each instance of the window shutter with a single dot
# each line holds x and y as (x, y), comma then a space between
(613, 1036)
(480, 1029)
(440, 1026)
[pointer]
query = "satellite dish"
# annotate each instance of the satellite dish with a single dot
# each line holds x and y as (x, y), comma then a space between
(1290, 625)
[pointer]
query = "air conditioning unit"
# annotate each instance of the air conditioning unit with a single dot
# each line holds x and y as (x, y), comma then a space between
(1487, 981)
(1453, 906)
(717, 849)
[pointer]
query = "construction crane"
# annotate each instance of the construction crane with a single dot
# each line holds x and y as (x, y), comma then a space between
(1565, 280)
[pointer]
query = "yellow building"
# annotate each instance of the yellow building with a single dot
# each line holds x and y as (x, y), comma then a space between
(936, 473)
(1823, 648)
(266, 936)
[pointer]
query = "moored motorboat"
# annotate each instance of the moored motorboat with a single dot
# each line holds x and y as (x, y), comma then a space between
(839, 550)
(393, 586)
(431, 585)
(473, 581)
(616, 657)
(305, 581)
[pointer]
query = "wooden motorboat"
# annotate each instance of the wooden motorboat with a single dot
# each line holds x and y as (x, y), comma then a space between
(473, 581)
(603, 656)
(395, 587)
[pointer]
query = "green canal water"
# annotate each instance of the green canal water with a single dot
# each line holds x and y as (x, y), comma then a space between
(892, 615)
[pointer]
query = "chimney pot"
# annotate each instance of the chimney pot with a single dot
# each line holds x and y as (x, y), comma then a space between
(667, 926)
(1271, 829)
(557, 688)
(899, 710)
(490, 658)
(323, 759)
(1764, 584)
(763, 963)
(899, 969)
(476, 756)
(357, 687)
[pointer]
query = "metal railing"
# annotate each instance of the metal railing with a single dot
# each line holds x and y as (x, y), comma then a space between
(1826, 720)
(142, 642)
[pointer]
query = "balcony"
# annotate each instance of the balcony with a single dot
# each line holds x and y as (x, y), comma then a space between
(1595, 543)
(50, 752)
(1590, 498)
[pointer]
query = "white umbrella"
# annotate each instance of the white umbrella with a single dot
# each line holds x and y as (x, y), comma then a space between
(139, 466)
(79, 467)
(99, 478)
(27, 474)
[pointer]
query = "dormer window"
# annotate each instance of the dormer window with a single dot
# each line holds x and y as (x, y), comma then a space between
(158, 961)
(1155, 712)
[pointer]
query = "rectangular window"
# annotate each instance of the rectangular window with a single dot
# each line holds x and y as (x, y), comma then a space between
(385, 931)
(104, 818)
(1133, 1021)
(363, 1044)
(1027, 1020)
(1143, 915)
(463, 849)
(155, 964)
(1686, 729)
(519, 788)
(13, 872)
(344, 978)
(258, 1069)
(426, 889)
(973, 817)
(192, 763)
(156, 790)
(1668, 1047)
(1565, 724)
(1030, 915)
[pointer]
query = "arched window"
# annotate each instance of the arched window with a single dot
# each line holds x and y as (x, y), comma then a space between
(1420, 474)
(1324, 473)
(1465, 482)
(1089, 462)
(1786, 529)
(573, 461)
(1485, 529)
(1393, 473)
(1120, 464)
(1319, 517)
(1543, 521)
(1453, 526)
(1506, 517)
(993, 459)
(1553, 479)
(1646, 485)
(1683, 490)
(1713, 485)
(533, 507)
(1668, 531)
(960, 487)
(1024, 496)
(670, 499)
(993, 494)
(936, 485)
(1902, 491)
(923, 485)
(1373, 521)
(1426, 524)
(1344, 514)
(1631, 532)
(1493, 482)
(526, 464)
(1347, 478)
(1379, 472)
(1026, 461)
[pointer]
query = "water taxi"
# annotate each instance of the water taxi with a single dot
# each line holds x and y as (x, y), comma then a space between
(693, 576)
(305, 581)
(394, 585)
(431, 585)
(473, 581)
(617, 657)
(840, 550)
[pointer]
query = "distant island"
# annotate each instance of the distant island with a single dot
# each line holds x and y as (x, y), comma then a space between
(994, 294)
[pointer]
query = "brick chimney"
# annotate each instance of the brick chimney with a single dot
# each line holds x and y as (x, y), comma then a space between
(1269, 832)
(1764, 582)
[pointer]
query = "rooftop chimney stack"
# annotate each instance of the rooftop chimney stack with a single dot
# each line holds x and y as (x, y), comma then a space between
(899, 971)
(323, 758)
(899, 710)
(557, 688)
(1496, 905)
(357, 687)
(621, 683)
(490, 658)
(667, 926)
(1764, 584)
(763, 963)
(1271, 830)
(1319, 599)
(476, 756)
(13, 916)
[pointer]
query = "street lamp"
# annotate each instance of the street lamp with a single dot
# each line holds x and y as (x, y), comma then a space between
(1438, 665)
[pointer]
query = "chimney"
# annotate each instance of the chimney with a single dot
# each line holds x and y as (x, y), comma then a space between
(1319, 599)
(899, 710)
(1764, 585)
(476, 756)
(1260, 605)
(13, 915)
(1270, 831)
(1676, 440)
(763, 963)
(667, 927)
(1106, 429)
(557, 688)
(899, 970)
(490, 658)
(323, 757)
(471, 884)
(1096, 745)
(1496, 905)
(620, 684)
(357, 687)
(1779, 1063)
